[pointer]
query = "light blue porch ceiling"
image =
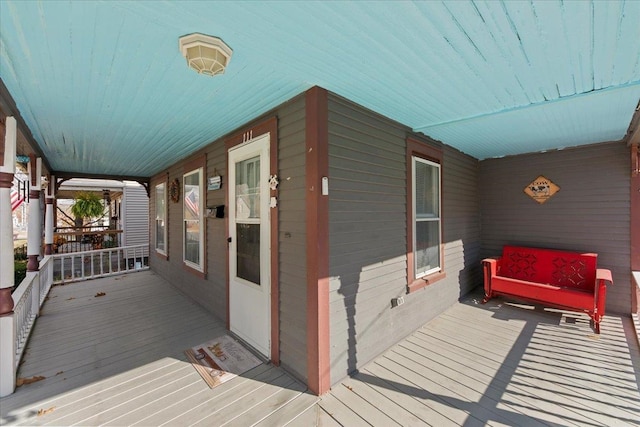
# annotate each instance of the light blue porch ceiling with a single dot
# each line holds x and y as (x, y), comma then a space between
(105, 90)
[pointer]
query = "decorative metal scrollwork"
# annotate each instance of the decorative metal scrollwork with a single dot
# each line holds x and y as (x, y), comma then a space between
(174, 190)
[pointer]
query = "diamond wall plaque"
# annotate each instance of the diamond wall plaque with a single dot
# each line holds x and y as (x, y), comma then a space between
(541, 189)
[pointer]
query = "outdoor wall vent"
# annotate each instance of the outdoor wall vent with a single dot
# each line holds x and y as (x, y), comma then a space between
(205, 54)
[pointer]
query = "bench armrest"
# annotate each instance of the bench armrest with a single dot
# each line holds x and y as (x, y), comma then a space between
(491, 264)
(489, 269)
(603, 274)
(603, 277)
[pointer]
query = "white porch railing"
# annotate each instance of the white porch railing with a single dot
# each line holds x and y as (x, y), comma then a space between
(77, 266)
(27, 300)
(61, 268)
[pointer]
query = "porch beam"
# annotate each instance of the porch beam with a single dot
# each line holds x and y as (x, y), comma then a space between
(64, 176)
(9, 107)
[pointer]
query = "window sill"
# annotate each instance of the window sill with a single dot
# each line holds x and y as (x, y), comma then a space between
(425, 281)
(162, 255)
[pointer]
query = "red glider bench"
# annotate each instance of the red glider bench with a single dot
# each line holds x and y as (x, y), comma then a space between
(562, 279)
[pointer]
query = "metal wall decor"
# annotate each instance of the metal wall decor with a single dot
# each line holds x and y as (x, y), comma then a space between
(174, 190)
(541, 189)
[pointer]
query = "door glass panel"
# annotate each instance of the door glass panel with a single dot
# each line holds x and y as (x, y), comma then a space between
(248, 188)
(248, 252)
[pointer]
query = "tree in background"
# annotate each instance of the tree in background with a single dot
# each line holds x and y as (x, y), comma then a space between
(87, 206)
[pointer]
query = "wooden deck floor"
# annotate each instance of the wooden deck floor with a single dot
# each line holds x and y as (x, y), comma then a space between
(118, 359)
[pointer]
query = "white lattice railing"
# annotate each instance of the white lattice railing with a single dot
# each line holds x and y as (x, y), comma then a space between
(25, 311)
(77, 266)
(46, 277)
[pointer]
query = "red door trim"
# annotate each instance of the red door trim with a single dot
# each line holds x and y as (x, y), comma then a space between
(317, 222)
(268, 126)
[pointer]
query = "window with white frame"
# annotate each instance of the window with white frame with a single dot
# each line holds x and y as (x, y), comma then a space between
(193, 215)
(426, 217)
(425, 258)
(161, 216)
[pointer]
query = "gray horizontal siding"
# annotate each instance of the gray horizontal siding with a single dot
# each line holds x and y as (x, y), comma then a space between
(460, 223)
(366, 227)
(591, 212)
(210, 292)
(217, 246)
(368, 236)
(292, 237)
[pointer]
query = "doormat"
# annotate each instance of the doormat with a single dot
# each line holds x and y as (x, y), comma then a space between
(221, 359)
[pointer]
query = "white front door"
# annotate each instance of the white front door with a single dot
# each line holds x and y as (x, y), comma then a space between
(249, 250)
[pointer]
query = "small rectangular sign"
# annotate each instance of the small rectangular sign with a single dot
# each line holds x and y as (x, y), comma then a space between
(214, 183)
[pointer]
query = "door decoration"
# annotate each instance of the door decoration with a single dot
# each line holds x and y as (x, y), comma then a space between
(273, 182)
(541, 189)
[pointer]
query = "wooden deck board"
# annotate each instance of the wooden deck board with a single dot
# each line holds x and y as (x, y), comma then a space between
(370, 413)
(204, 398)
(384, 404)
(287, 414)
(340, 412)
(526, 392)
(468, 371)
(392, 388)
(314, 416)
(221, 399)
(102, 407)
(269, 406)
(239, 406)
(118, 360)
(483, 398)
(443, 396)
(553, 379)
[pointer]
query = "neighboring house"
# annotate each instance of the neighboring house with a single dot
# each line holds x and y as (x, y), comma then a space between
(134, 215)
(128, 206)
(325, 257)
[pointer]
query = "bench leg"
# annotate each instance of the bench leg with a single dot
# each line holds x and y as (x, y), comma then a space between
(595, 321)
(486, 298)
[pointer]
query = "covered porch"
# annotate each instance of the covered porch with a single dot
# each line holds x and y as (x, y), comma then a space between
(117, 359)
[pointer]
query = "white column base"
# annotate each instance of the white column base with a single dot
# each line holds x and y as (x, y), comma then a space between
(7, 355)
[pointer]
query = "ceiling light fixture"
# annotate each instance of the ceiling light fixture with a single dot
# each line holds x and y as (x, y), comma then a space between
(205, 54)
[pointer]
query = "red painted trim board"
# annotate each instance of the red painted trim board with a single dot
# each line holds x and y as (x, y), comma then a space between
(317, 222)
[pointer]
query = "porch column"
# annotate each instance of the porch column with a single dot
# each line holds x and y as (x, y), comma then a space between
(48, 219)
(7, 324)
(34, 233)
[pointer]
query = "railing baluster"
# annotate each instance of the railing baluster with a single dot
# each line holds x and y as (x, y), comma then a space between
(128, 258)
